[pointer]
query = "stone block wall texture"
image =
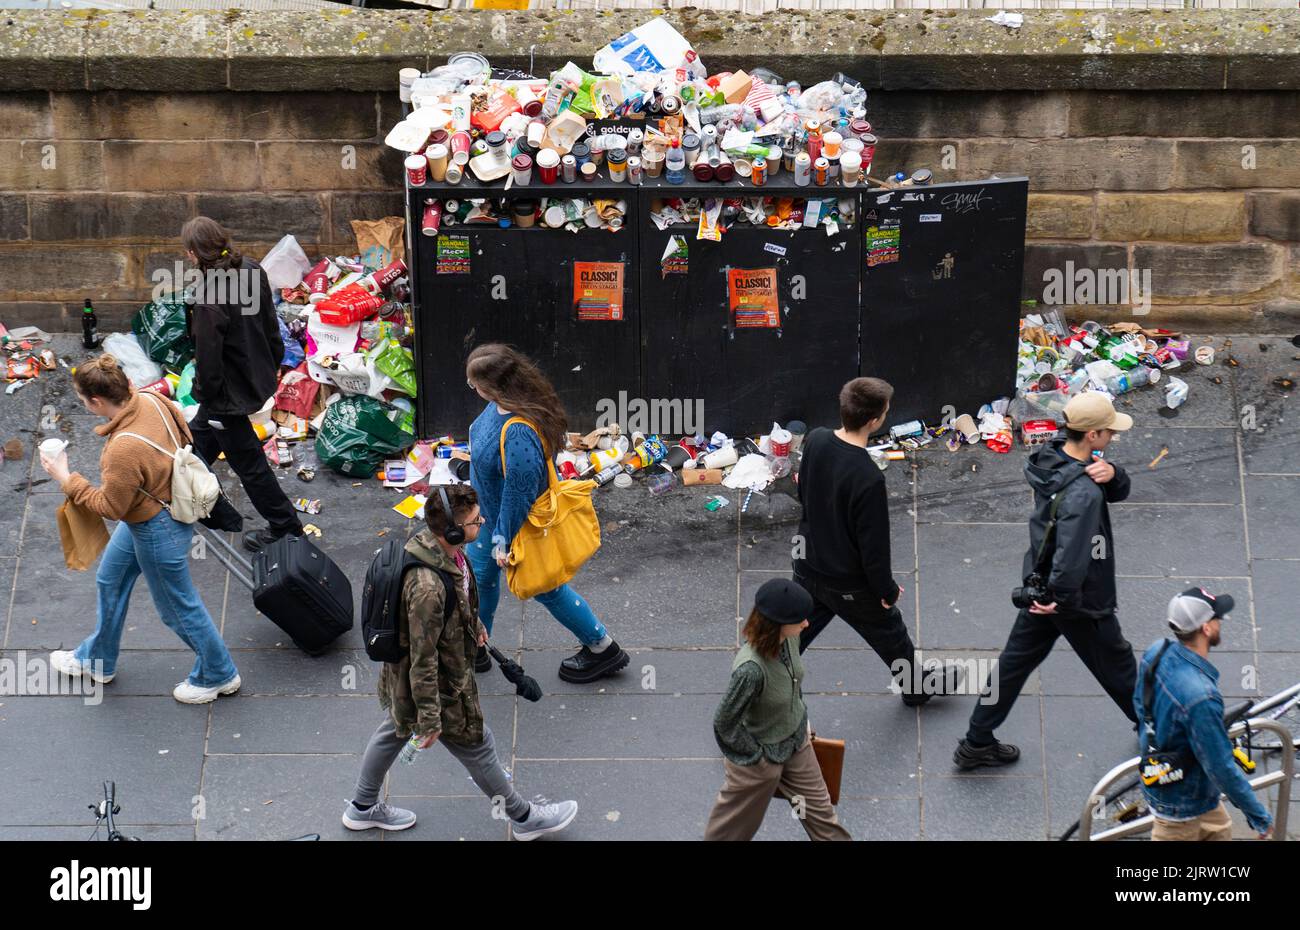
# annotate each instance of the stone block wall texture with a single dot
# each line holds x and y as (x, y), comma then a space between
(1164, 143)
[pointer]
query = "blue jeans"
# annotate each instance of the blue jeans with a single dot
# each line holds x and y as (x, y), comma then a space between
(565, 604)
(160, 548)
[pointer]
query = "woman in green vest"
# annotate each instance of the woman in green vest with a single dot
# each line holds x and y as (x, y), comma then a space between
(762, 725)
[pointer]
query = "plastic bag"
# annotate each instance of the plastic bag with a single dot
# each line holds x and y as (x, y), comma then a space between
(293, 351)
(285, 264)
(185, 390)
(358, 433)
(397, 363)
(653, 46)
(139, 367)
(297, 392)
(160, 328)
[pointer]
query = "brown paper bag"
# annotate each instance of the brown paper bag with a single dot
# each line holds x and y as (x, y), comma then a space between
(380, 242)
(83, 535)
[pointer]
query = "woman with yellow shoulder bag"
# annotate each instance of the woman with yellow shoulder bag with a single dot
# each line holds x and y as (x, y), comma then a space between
(537, 527)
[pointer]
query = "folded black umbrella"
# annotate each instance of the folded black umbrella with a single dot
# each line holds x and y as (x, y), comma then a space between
(525, 685)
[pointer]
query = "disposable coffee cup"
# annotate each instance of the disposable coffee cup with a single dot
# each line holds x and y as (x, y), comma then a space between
(965, 424)
(721, 458)
(51, 448)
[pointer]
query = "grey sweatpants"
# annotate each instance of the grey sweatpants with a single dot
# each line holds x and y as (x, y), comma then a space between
(479, 760)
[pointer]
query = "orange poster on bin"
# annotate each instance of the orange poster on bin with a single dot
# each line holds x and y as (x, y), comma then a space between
(752, 293)
(598, 290)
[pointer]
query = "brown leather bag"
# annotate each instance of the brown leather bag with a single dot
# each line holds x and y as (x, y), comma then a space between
(830, 759)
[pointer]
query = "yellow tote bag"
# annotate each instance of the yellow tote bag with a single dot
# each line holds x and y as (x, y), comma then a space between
(560, 534)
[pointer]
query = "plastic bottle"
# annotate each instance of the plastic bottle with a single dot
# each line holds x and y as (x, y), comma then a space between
(661, 482)
(410, 750)
(675, 164)
(1131, 380)
(89, 326)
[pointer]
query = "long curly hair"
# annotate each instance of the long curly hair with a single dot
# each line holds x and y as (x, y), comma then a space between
(514, 381)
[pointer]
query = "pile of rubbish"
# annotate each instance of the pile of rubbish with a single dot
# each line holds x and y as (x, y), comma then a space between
(712, 216)
(647, 109)
(571, 213)
(348, 372)
(25, 360)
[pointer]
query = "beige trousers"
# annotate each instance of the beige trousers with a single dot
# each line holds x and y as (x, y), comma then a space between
(1212, 825)
(748, 789)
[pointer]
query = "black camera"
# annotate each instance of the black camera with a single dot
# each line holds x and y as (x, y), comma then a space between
(1034, 589)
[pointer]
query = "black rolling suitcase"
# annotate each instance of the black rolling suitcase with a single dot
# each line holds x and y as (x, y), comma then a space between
(297, 587)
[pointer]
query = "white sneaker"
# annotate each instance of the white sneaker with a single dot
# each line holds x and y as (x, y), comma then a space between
(67, 662)
(545, 818)
(187, 693)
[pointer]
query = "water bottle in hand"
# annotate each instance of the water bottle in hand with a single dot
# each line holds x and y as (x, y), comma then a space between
(410, 750)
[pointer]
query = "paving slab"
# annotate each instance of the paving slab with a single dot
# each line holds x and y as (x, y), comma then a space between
(1277, 617)
(616, 726)
(646, 800)
(151, 747)
(1271, 504)
(1206, 540)
(268, 797)
(964, 807)
(967, 573)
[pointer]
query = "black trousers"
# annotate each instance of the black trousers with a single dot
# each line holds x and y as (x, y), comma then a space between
(882, 627)
(232, 434)
(1100, 643)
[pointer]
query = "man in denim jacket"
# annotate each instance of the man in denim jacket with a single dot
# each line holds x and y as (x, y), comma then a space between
(1187, 712)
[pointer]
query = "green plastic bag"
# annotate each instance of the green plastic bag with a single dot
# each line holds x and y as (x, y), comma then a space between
(396, 362)
(185, 390)
(358, 433)
(160, 328)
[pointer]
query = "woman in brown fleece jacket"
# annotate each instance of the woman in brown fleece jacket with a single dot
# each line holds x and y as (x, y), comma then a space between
(136, 479)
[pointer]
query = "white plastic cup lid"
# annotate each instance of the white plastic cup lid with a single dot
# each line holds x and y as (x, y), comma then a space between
(52, 447)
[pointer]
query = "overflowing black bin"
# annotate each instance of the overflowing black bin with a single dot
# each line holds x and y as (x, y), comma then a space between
(931, 304)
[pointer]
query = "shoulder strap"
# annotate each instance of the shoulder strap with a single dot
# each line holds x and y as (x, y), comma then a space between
(148, 442)
(550, 467)
(167, 420)
(1050, 531)
(449, 594)
(1148, 685)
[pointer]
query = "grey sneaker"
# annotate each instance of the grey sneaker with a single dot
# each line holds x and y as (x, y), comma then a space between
(382, 816)
(545, 818)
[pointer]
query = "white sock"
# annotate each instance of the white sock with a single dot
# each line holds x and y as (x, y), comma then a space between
(602, 645)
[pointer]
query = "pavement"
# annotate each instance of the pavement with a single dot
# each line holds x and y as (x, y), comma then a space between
(671, 582)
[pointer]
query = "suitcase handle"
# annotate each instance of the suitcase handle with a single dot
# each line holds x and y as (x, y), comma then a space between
(231, 559)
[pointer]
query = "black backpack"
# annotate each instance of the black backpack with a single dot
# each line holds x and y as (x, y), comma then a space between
(381, 600)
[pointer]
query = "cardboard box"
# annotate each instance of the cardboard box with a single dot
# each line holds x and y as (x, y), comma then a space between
(692, 476)
(735, 87)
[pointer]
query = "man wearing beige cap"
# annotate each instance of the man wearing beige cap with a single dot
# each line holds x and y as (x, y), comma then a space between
(1069, 575)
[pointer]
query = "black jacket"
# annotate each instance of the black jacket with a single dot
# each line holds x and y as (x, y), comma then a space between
(1082, 575)
(237, 344)
(845, 523)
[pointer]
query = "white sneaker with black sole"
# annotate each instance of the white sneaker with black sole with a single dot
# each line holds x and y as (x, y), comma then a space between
(64, 661)
(187, 693)
(545, 818)
(378, 816)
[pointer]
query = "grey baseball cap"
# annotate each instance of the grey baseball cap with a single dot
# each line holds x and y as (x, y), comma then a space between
(1196, 606)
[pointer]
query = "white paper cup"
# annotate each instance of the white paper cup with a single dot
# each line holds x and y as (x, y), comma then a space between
(50, 448)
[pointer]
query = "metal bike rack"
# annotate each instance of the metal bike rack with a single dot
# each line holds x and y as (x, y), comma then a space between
(1283, 777)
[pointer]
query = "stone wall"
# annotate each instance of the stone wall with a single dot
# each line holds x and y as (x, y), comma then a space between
(1158, 142)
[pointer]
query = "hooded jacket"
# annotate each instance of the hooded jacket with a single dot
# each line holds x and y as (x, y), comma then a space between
(432, 690)
(237, 345)
(1081, 579)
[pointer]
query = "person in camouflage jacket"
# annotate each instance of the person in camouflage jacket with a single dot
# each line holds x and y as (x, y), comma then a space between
(431, 695)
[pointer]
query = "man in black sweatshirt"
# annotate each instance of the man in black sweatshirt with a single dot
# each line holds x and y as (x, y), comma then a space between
(841, 555)
(237, 353)
(1078, 568)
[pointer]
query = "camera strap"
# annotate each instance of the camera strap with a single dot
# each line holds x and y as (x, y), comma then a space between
(1157, 768)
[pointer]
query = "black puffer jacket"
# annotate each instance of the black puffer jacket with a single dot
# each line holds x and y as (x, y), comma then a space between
(1082, 575)
(237, 344)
